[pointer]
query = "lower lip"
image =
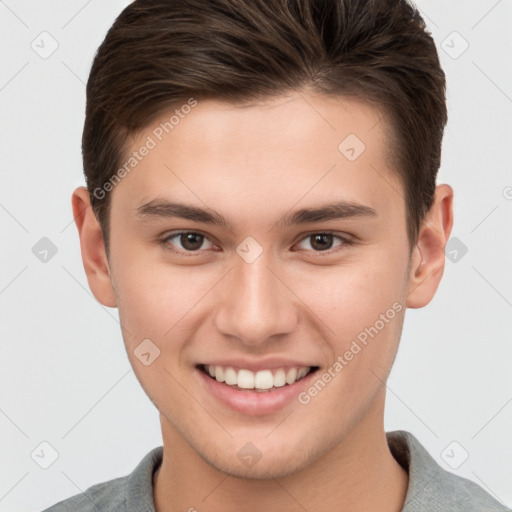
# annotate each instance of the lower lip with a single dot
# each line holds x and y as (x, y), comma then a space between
(250, 402)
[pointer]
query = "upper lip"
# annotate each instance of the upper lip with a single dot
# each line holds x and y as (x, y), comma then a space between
(261, 364)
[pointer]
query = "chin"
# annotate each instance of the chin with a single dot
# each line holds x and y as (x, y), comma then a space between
(275, 460)
(281, 466)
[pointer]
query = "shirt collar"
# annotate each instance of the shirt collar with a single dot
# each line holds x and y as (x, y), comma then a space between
(430, 486)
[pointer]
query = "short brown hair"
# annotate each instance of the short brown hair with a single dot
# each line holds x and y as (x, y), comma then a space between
(160, 53)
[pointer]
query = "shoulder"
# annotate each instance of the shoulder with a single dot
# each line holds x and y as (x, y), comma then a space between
(433, 488)
(124, 494)
(103, 496)
(459, 493)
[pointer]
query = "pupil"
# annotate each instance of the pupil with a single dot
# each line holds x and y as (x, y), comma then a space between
(191, 241)
(323, 245)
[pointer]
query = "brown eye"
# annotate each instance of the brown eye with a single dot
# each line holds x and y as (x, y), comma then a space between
(186, 241)
(191, 241)
(323, 242)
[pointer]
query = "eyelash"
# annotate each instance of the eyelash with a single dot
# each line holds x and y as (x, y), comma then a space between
(345, 242)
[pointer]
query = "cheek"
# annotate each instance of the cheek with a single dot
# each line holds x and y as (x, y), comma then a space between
(156, 300)
(352, 297)
(363, 305)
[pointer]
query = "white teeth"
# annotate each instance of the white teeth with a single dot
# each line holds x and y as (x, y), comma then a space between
(279, 378)
(230, 376)
(219, 374)
(245, 379)
(302, 373)
(291, 376)
(262, 380)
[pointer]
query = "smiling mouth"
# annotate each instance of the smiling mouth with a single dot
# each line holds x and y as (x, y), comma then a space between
(260, 381)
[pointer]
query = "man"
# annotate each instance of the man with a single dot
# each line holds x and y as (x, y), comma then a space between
(261, 207)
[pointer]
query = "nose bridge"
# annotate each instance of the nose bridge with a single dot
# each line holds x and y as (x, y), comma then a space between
(255, 305)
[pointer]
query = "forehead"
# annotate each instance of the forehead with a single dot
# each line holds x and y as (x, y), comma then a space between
(291, 147)
(287, 125)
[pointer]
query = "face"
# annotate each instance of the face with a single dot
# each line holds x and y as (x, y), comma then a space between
(260, 288)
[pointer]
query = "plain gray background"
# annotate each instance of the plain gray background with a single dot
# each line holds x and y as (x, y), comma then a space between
(65, 376)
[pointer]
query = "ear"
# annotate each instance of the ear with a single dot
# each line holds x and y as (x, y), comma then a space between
(94, 256)
(428, 258)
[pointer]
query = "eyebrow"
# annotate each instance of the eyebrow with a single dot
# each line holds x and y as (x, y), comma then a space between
(164, 209)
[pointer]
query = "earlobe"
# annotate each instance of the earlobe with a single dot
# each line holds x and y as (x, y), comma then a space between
(94, 256)
(428, 258)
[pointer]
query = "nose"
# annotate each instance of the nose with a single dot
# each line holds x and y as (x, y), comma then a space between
(255, 303)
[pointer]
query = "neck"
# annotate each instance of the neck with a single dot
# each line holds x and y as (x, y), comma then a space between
(357, 475)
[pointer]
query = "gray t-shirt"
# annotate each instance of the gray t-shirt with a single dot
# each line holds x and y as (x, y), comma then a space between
(431, 488)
